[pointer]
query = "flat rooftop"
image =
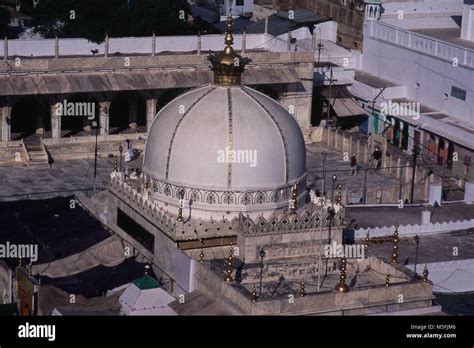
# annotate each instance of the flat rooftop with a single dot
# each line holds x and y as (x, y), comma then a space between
(372, 80)
(450, 35)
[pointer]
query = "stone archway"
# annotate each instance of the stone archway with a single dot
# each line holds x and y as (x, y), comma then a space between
(127, 112)
(73, 124)
(30, 115)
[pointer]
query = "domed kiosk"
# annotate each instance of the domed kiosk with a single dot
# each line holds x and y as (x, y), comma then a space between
(225, 148)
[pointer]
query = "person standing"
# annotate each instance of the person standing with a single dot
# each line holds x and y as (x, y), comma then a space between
(354, 165)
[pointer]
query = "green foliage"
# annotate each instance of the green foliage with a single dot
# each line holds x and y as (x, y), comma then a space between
(4, 21)
(119, 18)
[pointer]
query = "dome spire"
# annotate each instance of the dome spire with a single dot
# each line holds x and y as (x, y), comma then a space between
(229, 38)
(228, 66)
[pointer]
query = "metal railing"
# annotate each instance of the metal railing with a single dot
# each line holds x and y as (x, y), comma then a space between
(57, 193)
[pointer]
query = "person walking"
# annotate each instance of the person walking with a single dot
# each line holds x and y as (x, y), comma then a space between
(354, 168)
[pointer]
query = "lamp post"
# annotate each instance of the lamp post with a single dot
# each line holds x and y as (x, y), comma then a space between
(331, 214)
(413, 173)
(417, 241)
(96, 126)
(120, 150)
(334, 178)
(262, 255)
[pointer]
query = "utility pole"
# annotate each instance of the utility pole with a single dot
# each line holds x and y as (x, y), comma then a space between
(320, 48)
(96, 124)
(364, 196)
(415, 155)
(324, 174)
(330, 95)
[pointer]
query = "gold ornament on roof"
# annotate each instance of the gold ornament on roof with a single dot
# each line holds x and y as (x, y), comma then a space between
(228, 66)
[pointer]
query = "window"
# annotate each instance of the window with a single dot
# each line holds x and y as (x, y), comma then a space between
(458, 93)
(239, 2)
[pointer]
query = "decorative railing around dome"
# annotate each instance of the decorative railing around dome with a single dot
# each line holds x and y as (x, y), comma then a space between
(149, 208)
(289, 222)
(262, 196)
(142, 202)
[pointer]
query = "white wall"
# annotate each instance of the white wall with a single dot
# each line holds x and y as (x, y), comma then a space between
(467, 29)
(141, 45)
(326, 31)
(430, 7)
(417, 59)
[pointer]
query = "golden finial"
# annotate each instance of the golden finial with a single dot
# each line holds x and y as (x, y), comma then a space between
(229, 38)
(254, 294)
(201, 253)
(228, 66)
(342, 286)
(230, 258)
(395, 246)
(294, 201)
(339, 195)
(180, 207)
(367, 239)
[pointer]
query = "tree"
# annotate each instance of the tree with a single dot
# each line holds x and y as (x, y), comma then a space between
(4, 21)
(91, 19)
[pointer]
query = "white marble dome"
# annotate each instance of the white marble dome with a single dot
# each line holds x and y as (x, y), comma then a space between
(190, 145)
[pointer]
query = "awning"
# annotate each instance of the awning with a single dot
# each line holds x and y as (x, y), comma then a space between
(87, 82)
(336, 92)
(347, 107)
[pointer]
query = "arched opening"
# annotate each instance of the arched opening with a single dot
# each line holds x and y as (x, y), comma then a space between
(450, 154)
(31, 117)
(405, 136)
(269, 91)
(396, 133)
(127, 113)
(441, 145)
(79, 112)
(168, 96)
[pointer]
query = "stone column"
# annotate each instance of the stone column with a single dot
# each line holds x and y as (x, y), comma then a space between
(150, 111)
(358, 150)
(199, 45)
(5, 49)
(40, 124)
(5, 122)
(55, 121)
(56, 48)
(436, 150)
(132, 111)
(408, 170)
(469, 192)
(266, 25)
(288, 44)
(104, 107)
(399, 170)
(153, 44)
(400, 139)
(106, 46)
(244, 42)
